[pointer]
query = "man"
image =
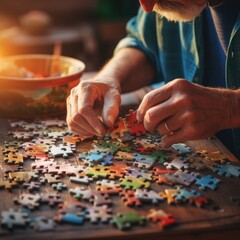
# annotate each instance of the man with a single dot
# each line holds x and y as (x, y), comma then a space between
(184, 46)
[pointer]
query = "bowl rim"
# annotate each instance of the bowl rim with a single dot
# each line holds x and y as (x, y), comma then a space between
(44, 82)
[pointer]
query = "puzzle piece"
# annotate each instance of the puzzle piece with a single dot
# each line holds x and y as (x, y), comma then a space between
(42, 166)
(52, 199)
(61, 151)
(56, 135)
(59, 186)
(227, 170)
(12, 218)
(13, 158)
(199, 201)
(163, 179)
(97, 172)
(18, 124)
(73, 218)
(43, 224)
(119, 129)
(116, 171)
(81, 193)
(124, 156)
(207, 182)
(129, 198)
(108, 187)
(124, 147)
(160, 156)
(44, 141)
(143, 161)
(28, 200)
(199, 163)
(31, 186)
(182, 148)
(134, 183)
(10, 149)
(101, 214)
(101, 199)
(23, 176)
(7, 185)
(50, 178)
(159, 216)
(92, 158)
(127, 220)
(12, 146)
(215, 156)
(36, 152)
(107, 160)
(127, 137)
(184, 195)
(58, 168)
(157, 170)
(82, 179)
(177, 163)
(136, 128)
(25, 136)
(139, 173)
(70, 140)
(71, 207)
(104, 146)
(170, 194)
(146, 143)
(54, 123)
(182, 177)
(148, 196)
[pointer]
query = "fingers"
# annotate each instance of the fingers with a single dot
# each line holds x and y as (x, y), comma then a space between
(153, 98)
(86, 102)
(111, 108)
(81, 117)
(85, 109)
(171, 124)
(157, 115)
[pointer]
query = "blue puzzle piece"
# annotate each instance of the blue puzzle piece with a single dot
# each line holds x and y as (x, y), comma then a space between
(92, 158)
(207, 182)
(107, 160)
(184, 195)
(71, 218)
(227, 170)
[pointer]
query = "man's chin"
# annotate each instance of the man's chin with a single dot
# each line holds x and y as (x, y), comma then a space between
(181, 16)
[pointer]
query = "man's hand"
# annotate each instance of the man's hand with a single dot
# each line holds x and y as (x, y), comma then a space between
(90, 99)
(183, 111)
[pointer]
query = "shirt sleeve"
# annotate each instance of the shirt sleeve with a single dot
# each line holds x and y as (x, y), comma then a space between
(141, 34)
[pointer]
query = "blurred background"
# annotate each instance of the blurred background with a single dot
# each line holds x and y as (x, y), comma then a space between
(87, 29)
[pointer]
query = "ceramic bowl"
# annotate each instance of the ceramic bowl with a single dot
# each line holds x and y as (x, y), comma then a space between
(32, 87)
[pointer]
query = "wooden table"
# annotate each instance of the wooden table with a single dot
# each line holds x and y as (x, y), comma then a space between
(193, 223)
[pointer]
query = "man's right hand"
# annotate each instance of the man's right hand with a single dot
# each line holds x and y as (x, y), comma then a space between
(92, 106)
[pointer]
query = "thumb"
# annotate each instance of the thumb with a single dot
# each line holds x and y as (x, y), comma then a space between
(111, 105)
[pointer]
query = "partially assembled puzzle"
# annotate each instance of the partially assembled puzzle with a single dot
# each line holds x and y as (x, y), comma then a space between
(128, 164)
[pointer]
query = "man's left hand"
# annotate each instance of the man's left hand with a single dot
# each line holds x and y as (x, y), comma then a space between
(183, 111)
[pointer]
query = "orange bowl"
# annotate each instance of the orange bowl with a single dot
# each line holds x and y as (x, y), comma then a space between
(30, 89)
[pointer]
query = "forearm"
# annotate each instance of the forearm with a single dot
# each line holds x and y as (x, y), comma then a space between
(234, 106)
(130, 68)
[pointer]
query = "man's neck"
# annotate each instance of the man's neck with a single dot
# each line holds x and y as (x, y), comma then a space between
(215, 3)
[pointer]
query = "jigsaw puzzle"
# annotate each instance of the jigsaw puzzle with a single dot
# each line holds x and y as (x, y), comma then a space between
(120, 179)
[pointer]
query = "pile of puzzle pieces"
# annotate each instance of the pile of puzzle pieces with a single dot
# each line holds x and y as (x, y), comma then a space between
(128, 163)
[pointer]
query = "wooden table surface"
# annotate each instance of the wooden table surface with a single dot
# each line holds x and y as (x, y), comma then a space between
(193, 223)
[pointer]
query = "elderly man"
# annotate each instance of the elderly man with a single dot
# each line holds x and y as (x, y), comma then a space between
(190, 51)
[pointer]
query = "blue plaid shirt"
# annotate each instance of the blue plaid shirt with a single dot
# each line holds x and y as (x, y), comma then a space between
(177, 51)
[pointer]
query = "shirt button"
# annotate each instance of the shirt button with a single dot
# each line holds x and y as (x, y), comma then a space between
(232, 54)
